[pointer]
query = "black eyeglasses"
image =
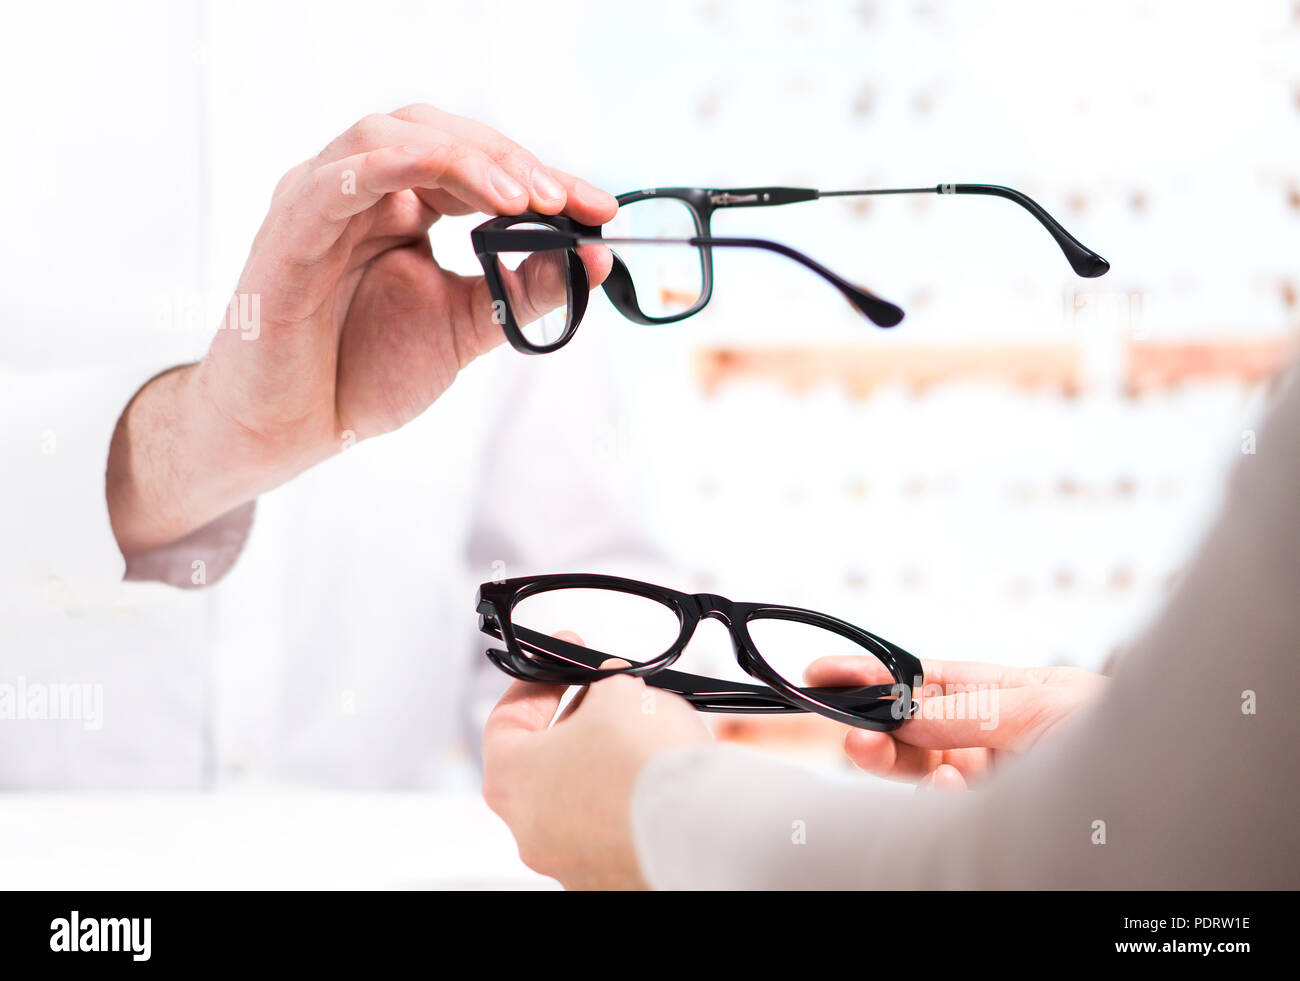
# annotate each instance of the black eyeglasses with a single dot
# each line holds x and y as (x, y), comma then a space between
(649, 627)
(539, 283)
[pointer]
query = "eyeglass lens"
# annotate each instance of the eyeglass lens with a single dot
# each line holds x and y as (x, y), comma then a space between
(669, 279)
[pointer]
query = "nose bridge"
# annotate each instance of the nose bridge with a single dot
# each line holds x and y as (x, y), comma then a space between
(715, 607)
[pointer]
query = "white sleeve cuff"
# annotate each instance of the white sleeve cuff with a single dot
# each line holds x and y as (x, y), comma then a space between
(200, 558)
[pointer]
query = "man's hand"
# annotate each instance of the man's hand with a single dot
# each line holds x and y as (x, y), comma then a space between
(566, 790)
(359, 329)
(969, 713)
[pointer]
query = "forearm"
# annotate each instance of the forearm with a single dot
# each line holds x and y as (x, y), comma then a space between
(175, 464)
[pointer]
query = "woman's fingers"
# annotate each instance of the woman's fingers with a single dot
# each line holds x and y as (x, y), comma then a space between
(877, 753)
(992, 718)
(969, 704)
(945, 777)
(526, 707)
(882, 755)
(848, 670)
(966, 713)
(511, 738)
(575, 703)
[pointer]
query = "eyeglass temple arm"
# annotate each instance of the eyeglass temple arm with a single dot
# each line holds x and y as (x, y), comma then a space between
(878, 310)
(574, 664)
(1082, 259)
(703, 694)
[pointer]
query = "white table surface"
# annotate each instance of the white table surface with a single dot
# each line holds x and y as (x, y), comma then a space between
(256, 839)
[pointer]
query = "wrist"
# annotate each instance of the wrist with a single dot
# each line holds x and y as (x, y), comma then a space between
(236, 460)
(177, 462)
(142, 451)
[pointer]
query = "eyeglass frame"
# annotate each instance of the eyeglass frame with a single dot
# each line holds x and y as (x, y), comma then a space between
(498, 235)
(877, 706)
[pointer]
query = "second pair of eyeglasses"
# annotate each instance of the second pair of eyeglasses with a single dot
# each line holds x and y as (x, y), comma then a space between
(662, 257)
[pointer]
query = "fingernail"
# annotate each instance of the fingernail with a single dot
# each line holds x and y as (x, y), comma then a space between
(546, 186)
(504, 184)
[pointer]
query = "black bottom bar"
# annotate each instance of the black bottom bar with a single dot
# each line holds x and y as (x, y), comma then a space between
(375, 930)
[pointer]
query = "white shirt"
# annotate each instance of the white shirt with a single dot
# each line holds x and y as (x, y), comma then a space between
(340, 648)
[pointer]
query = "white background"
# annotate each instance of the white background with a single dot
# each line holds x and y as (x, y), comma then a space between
(141, 143)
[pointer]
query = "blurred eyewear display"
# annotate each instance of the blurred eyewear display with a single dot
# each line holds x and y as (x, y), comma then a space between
(663, 257)
(649, 626)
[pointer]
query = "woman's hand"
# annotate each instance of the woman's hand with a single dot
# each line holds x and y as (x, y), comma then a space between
(343, 325)
(565, 789)
(969, 714)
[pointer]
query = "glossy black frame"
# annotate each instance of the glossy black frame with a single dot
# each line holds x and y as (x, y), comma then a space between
(498, 235)
(533, 656)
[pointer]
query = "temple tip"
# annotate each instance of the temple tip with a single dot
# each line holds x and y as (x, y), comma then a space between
(1091, 266)
(880, 312)
(890, 315)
